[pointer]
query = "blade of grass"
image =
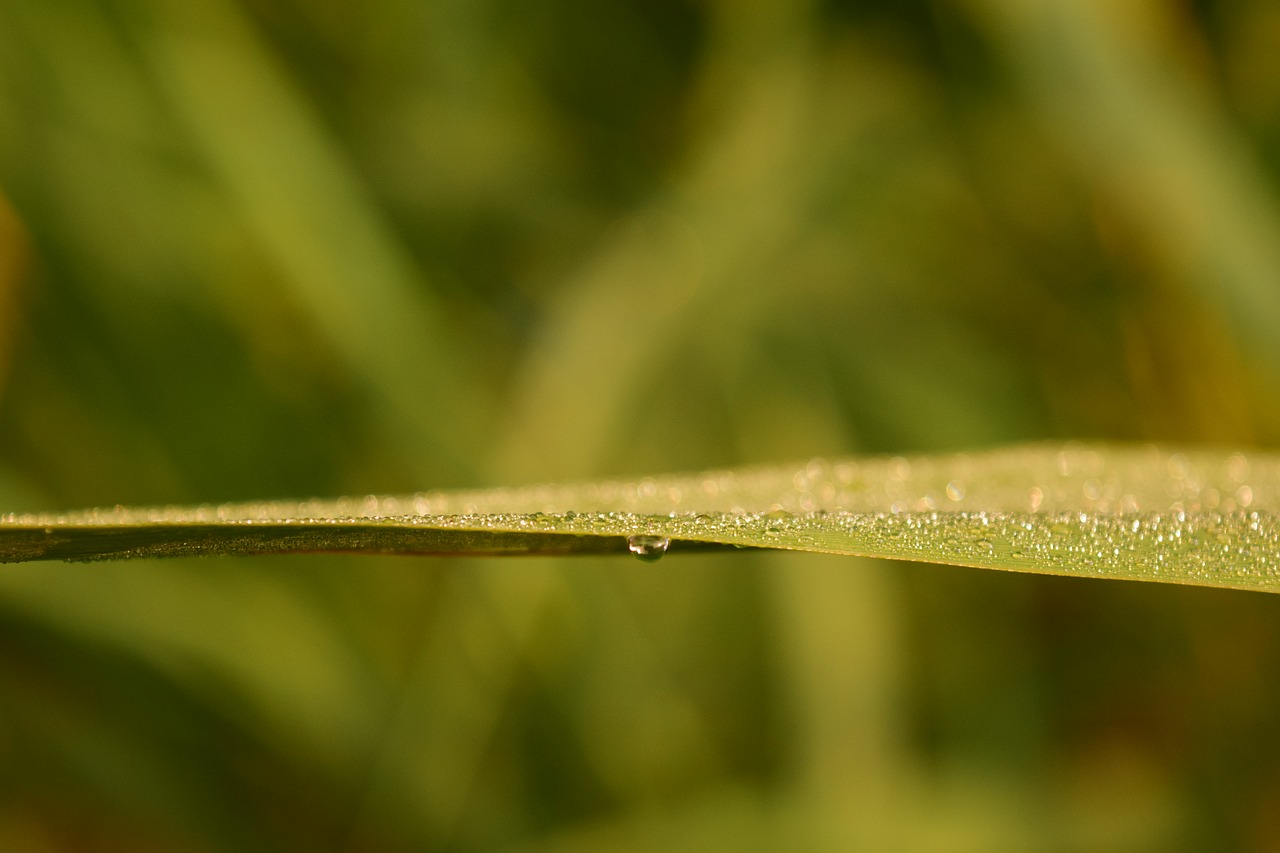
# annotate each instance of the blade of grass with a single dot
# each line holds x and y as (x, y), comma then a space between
(1195, 517)
(301, 196)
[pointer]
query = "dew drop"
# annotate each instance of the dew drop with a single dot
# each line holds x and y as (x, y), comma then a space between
(648, 548)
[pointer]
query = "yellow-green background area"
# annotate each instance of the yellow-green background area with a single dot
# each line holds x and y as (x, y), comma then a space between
(280, 248)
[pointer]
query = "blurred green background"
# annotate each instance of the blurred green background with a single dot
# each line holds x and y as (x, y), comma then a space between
(281, 248)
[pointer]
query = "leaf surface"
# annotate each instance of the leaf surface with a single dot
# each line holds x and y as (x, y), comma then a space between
(1139, 513)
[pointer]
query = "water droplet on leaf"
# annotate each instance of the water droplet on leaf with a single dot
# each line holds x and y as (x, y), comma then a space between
(648, 548)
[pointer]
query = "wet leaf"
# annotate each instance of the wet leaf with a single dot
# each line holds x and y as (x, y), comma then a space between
(1180, 516)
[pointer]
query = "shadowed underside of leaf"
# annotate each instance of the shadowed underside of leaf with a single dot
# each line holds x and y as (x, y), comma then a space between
(1182, 516)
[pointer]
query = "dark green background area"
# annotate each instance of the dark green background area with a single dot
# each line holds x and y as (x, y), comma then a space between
(274, 248)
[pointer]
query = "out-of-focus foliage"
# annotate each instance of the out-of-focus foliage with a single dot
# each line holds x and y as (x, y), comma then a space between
(273, 248)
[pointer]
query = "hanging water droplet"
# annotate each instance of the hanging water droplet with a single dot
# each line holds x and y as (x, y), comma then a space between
(648, 548)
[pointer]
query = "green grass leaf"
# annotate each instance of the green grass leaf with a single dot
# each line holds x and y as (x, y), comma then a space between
(1179, 516)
